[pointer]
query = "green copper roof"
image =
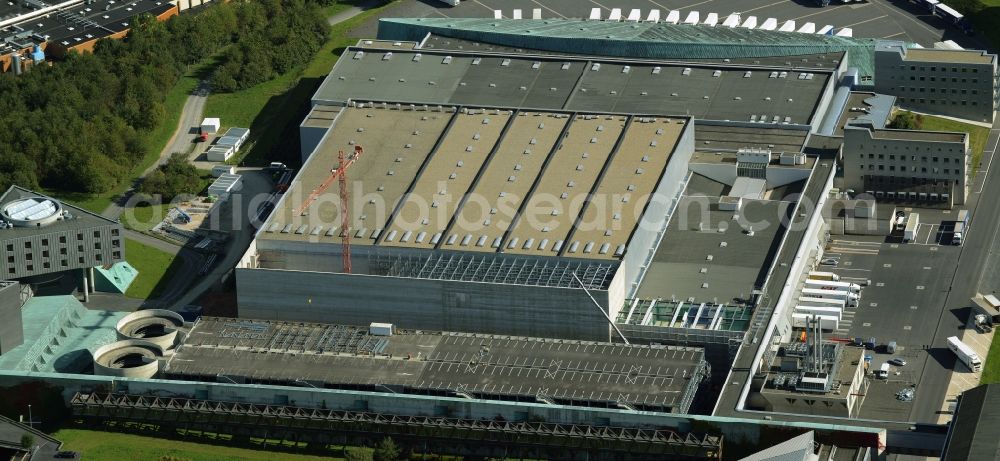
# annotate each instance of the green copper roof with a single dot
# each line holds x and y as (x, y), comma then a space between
(633, 40)
(115, 278)
(59, 335)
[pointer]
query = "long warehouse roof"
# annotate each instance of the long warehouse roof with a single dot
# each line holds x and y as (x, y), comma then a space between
(632, 40)
(714, 91)
(482, 180)
(659, 378)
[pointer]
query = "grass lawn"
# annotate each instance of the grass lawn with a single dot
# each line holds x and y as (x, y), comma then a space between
(113, 446)
(143, 218)
(991, 373)
(985, 22)
(274, 109)
(154, 265)
(977, 135)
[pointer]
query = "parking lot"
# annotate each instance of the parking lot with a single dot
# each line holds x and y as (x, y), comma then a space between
(895, 19)
(909, 283)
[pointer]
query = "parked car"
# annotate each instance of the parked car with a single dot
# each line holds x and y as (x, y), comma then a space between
(898, 361)
(829, 262)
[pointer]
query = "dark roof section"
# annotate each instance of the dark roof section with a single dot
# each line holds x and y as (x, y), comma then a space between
(628, 39)
(86, 21)
(655, 378)
(829, 60)
(715, 91)
(973, 430)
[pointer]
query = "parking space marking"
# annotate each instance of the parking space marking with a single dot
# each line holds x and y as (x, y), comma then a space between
(856, 242)
(854, 251)
(887, 265)
(484, 6)
(929, 234)
(764, 6)
(880, 284)
(550, 9)
(867, 20)
(696, 4)
(990, 163)
(905, 327)
(824, 10)
(894, 35)
(598, 4)
(659, 5)
(913, 307)
(873, 305)
(910, 17)
(927, 268)
(920, 287)
(866, 324)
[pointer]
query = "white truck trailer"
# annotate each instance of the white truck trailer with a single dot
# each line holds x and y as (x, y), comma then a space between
(817, 310)
(829, 285)
(827, 276)
(850, 298)
(912, 224)
(826, 322)
(822, 302)
(965, 353)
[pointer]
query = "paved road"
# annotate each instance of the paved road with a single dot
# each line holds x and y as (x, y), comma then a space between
(977, 271)
(154, 242)
(180, 141)
(242, 234)
(354, 11)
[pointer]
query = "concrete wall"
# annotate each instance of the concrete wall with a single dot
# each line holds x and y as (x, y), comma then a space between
(963, 90)
(650, 229)
(310, 136)
(737, 432)
(823, 104)
(11, 328)
(52, 252)
(905, 165)
(421, 304)
(779, 176)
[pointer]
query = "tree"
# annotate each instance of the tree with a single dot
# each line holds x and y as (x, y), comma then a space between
(907, 121)
(386, 450)
(357, 454)
(172, 179)
(27, 441)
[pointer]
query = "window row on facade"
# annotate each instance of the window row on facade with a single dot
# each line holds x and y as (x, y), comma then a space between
(912, 169)
(938, 101)
(116, 255)
(956, 70)
(913, 158)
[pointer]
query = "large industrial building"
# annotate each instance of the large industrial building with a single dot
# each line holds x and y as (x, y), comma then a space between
(436, 392)
(959, 83)
(505, 193)
(912, 166)
(592, 224)
(43, 237)
(30, 30)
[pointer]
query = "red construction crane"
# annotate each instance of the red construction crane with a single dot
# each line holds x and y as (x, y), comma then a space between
(338, 173)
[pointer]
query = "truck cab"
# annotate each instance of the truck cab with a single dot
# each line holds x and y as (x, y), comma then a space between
(883, 371)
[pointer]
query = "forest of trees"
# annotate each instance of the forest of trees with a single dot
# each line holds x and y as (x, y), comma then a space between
(79, 125)
(271, 40)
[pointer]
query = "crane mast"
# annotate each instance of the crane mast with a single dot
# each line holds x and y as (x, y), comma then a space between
(338, 174)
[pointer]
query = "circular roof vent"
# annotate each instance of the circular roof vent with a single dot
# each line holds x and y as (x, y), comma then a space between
(158, 326)
(32, 211)
(129, 359)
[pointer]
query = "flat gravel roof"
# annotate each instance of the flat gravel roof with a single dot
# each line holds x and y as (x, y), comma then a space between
(716, 91)
(501, 367)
